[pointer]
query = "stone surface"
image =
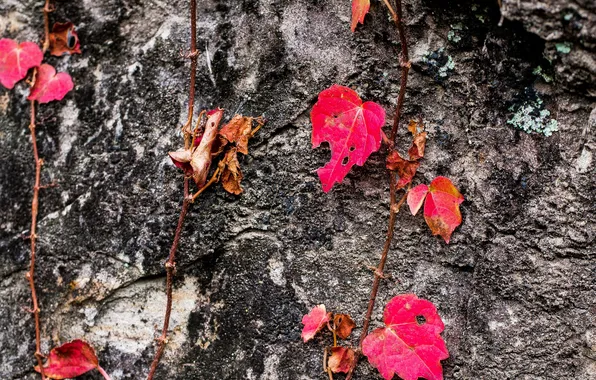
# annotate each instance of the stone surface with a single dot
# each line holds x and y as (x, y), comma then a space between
(516, 287)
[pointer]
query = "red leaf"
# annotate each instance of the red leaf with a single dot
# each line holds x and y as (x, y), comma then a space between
(441, 208)
(64, 39)
(70, 360)
(314, 321)
(359, 10)
(352, 129)
(341, 359)
(416, 197)
(410, 345)
(16, 60)
(49, 85)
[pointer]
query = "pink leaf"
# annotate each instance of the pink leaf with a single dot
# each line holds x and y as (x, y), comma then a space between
(314, 321)
(416, 197)
(410, 345)
(352, 129)
(341, 359)
(359, 10)
(70, 360)
(16, 60)
(49, 85)
(441, 209)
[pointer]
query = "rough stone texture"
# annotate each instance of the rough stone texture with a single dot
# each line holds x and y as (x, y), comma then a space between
(516, 287)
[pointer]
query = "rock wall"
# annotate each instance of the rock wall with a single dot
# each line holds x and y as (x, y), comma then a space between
(515, 287)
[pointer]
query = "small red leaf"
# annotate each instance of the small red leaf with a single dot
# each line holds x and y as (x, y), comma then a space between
(49, 85)
(341, 359)
(70, 360)
(314, 321)
(353, 130)
(441, 208)
(16, 60)
(64, 39)
(416, 197)
(359, 10)
(410, 345)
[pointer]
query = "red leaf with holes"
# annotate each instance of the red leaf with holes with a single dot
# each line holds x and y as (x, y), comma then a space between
(359, 10)
(353, 130)
(70, 360)
(341, 359)
(16, 60)
(441, 207)
(314, 321)
(64, 39)
(49, 85)
(410, 344)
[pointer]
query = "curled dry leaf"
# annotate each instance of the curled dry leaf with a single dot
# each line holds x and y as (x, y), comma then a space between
(16, 60)
(70, 360)
(230, 172)
(359, 10)
(341, 359)
(416, 151)
(406, 169)
(410, 344)
(314, 321)
(238, 131)
(344, 325)
(441, 206)
(352, 128)
(64, 39)
(50, 85)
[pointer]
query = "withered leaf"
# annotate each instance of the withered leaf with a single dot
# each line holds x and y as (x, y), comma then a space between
(416, 151)
(238, 131)
(341, 359)
(231, 174)
(406, 170)
(344, 325)
(64, 39)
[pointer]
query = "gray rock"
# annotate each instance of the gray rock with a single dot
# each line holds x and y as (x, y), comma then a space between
(515, 287)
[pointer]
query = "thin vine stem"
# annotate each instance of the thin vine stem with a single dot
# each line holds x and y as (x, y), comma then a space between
(171, 263)
(30, 275)
(394, 204)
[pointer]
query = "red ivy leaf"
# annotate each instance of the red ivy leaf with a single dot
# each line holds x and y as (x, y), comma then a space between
(353, 130)
(49, 85)
(359, 10)
(441, 208)
(410, 345)
(16, 60)
(64, 39)
(70, 360)
(341, 359)
(314, 321)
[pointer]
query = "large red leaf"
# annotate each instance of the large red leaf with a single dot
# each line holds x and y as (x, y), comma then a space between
(359, 10)
(441, 207)
(410, 345)
(16, 60)
(353, 130)
(70, 360)
(314, 321)
(49, 85)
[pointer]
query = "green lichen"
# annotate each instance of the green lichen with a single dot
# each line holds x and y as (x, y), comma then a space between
(531, 117)
(450, 65)
(563, 47)
(453, 37)
(568, 16)
(538, 71)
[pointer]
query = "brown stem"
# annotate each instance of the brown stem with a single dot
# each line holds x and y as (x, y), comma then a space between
(33, 237)
(46, 25)
(171, 263)
(394, 205)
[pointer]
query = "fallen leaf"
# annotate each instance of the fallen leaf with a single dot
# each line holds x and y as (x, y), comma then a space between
(344, 324)
(341, 359)
(410, 344)
(231, 174)
(416, 151)
(314, 321)
(238, 131)
(50, 86)
(70, 360)
(16, 60)
(359, 10)
(441, 208)
(64, 39)
(353, 130)
(406, 170)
